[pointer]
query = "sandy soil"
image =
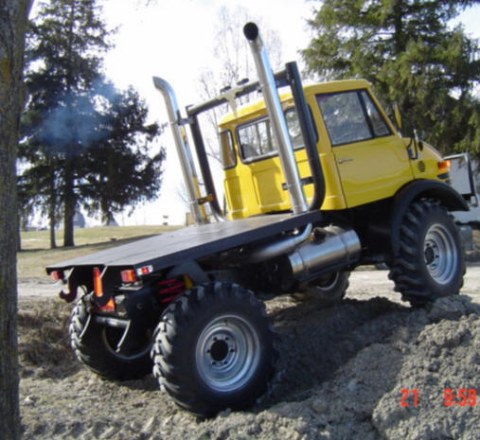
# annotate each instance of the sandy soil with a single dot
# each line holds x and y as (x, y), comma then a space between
(369, 368)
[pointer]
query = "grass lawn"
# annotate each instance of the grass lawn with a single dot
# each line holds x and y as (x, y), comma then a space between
(36, 252)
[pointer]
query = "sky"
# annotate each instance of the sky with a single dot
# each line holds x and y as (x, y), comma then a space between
(174, 39)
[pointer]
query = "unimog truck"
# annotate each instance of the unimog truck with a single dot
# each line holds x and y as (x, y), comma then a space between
(317, 181)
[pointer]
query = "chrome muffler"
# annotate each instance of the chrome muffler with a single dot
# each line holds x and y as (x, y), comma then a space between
(331, 249)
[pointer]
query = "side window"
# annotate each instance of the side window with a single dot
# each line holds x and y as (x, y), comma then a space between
(351, 117)
(380, 128)
(344, 117)
(227, 150)
(255, 140)
(294, 129)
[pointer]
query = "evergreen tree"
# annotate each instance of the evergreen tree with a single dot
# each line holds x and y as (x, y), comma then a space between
(412, 54)
(120, 169)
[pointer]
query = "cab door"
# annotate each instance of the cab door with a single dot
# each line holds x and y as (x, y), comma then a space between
(371, 159)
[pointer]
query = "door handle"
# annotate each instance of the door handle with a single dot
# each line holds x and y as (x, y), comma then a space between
(345, 160)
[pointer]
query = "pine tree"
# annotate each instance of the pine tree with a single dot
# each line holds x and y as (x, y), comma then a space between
(121, 170)
(411, 53)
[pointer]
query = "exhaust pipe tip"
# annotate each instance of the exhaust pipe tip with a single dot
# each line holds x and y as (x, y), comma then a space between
(251, 31)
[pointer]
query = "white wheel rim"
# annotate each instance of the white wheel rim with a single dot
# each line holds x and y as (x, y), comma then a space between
(227, 353)
(440, 253)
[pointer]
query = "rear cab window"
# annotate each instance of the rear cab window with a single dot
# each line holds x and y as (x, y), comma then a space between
(255, 139)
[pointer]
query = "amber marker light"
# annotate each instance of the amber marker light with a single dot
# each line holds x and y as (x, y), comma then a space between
(444, 165)
(128, 276)
(97, 282)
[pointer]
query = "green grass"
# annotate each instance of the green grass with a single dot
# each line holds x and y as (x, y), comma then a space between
(36, 252)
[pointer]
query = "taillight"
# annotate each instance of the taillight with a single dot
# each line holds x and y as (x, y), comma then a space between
(145, 270)
(128, 276)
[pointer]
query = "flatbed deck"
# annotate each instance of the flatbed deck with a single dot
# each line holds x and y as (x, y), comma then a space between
(191, 243)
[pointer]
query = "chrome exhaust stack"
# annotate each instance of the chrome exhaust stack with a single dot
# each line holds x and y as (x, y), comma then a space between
(189, 173)
(313, 251)
(277, 119)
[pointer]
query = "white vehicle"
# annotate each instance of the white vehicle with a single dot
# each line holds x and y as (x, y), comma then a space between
(462, 179)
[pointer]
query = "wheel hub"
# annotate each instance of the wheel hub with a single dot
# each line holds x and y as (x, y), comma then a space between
(227, 353)
(440, 254)
(220, 349)
(430, 255)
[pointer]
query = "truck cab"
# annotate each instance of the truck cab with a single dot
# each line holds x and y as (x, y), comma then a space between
(363, 157)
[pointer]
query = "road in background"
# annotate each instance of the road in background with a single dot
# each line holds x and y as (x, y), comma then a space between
(363, 284)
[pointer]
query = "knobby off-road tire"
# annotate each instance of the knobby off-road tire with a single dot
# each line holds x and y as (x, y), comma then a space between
(327, 290)
(95, 346)
(430, 263)
(214, 349)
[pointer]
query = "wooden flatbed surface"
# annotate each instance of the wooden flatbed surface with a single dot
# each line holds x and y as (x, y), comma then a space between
(192, 242)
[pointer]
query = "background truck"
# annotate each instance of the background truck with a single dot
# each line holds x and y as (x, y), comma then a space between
(317, 182)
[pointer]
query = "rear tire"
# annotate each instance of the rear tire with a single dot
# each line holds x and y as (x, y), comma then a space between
(430, 262)
(95, 345)
(327, 290)
(214, 349)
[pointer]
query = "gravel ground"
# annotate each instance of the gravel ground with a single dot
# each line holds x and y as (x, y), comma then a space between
(369, 368)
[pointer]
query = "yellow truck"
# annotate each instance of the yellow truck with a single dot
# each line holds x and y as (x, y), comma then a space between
(317, 181)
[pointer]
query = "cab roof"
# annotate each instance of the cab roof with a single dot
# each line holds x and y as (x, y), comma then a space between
(257, 108)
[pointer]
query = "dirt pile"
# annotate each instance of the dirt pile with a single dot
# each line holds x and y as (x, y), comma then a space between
(365, 369)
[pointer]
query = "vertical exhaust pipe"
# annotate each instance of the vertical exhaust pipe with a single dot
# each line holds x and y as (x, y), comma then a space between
(183, 150)
(277, 119)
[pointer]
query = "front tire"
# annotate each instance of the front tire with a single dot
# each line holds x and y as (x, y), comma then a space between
(430, 263)
(214, 349)
(97, 346)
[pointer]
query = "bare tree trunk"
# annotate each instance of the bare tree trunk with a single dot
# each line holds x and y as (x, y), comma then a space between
(69, 205)
(19, 235)
(13, 18)
(52, 208)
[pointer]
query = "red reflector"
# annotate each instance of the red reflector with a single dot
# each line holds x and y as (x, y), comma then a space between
(57, 275)
(97, 282)
(128, 276)
(145, 270)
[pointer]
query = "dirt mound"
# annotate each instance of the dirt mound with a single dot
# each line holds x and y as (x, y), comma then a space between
(342, 373)
(442, 363)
